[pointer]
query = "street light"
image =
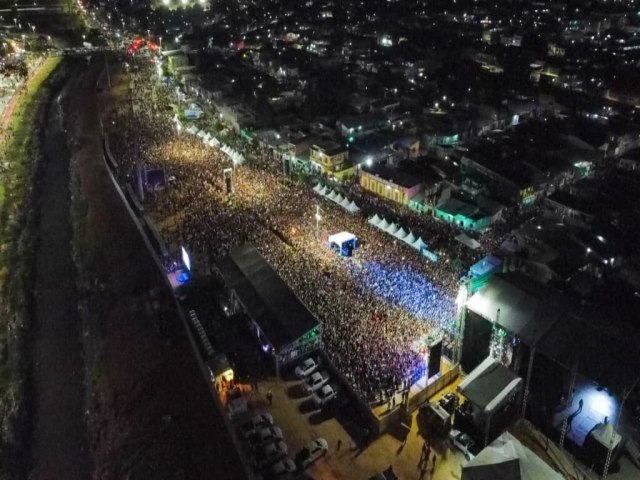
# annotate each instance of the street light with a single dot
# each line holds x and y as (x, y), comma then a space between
(318, 218)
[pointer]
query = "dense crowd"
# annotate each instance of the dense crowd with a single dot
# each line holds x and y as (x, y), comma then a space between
(374, 307)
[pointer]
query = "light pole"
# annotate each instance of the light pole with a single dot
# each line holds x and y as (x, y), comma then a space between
(318, 218)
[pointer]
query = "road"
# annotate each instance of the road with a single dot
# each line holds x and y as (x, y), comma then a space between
(58, 448)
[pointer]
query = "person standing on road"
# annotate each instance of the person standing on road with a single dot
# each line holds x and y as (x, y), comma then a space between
(269, 396)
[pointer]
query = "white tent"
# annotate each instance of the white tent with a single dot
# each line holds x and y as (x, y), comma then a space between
(206, 138)
(375, 220)
(325, 191)
(214, 142)
(506, 457)
(419, 244)
(400, 234)
(391, 229)
(201, 134)
(383, 225)
(192, 129)
(342, 237)
(409, 239)
(332, 195)
(352, 207)
(344, 203)
(317, 188)
(339, 198)
(469, 242)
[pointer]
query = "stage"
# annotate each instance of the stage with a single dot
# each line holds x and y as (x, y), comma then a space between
(596, 406)
(178, 278)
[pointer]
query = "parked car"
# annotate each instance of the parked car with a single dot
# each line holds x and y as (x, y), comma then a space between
(306, 368)
(264, 436)
(284, 467)
(257, 422)
(268, 454)
(315, 381)
(323, 396)
(313, 451)
(462, 442)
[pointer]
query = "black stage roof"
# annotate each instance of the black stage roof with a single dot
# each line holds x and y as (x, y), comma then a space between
(267, 299)
(561, 329)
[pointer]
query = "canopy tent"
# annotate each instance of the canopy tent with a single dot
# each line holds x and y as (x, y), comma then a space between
(400, 234)
(489, 385)
(339, 198)
(383, 225)
(344, 243)
(318, 188)
(325, 191)
(341, 237)
(468, 241)
(409, 239)
(507, 458)
(487, 265)
(419, 244)
(331, 196)
(201, 134)
(352, 207)
(391, 229)
(192, 129)
(375, 220)
(214, 142)
(344, 203)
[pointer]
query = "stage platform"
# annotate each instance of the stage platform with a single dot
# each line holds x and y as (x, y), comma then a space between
(597, 404)
(178, 278)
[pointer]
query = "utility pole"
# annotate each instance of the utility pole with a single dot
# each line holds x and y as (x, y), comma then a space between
(625, 395)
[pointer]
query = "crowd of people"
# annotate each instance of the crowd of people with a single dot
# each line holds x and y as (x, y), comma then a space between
(373, 307)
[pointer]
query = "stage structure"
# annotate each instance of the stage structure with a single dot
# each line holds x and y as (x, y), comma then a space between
(343, 243)
(178, 271)
(282, 324)
(488, 388)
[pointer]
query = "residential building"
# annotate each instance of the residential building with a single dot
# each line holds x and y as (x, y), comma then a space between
(390, 183)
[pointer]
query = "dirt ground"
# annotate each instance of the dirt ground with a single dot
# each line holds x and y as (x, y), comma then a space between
(58, 449)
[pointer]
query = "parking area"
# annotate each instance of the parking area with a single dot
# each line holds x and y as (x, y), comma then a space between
(346, 458)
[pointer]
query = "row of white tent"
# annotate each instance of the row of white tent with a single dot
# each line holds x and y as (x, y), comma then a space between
(212, 141)
(397, 232)
(344, 202)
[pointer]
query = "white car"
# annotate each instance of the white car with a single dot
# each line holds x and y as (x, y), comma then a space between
(257, 422)
(323, 396)
(268, 454)
(462, 442)
(264, 436)
(306, 368)
(315, 381)
(283, 467)
(313, 451)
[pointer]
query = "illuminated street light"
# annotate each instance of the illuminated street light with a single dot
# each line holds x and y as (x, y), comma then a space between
(318, 218)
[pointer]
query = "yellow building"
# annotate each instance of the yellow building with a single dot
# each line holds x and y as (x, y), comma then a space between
(392, 184)
(329, 157)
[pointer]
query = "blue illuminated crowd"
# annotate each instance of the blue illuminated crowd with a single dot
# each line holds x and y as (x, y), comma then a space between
(404, 287)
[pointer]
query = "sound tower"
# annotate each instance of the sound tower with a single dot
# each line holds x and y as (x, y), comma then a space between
(435, 354)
